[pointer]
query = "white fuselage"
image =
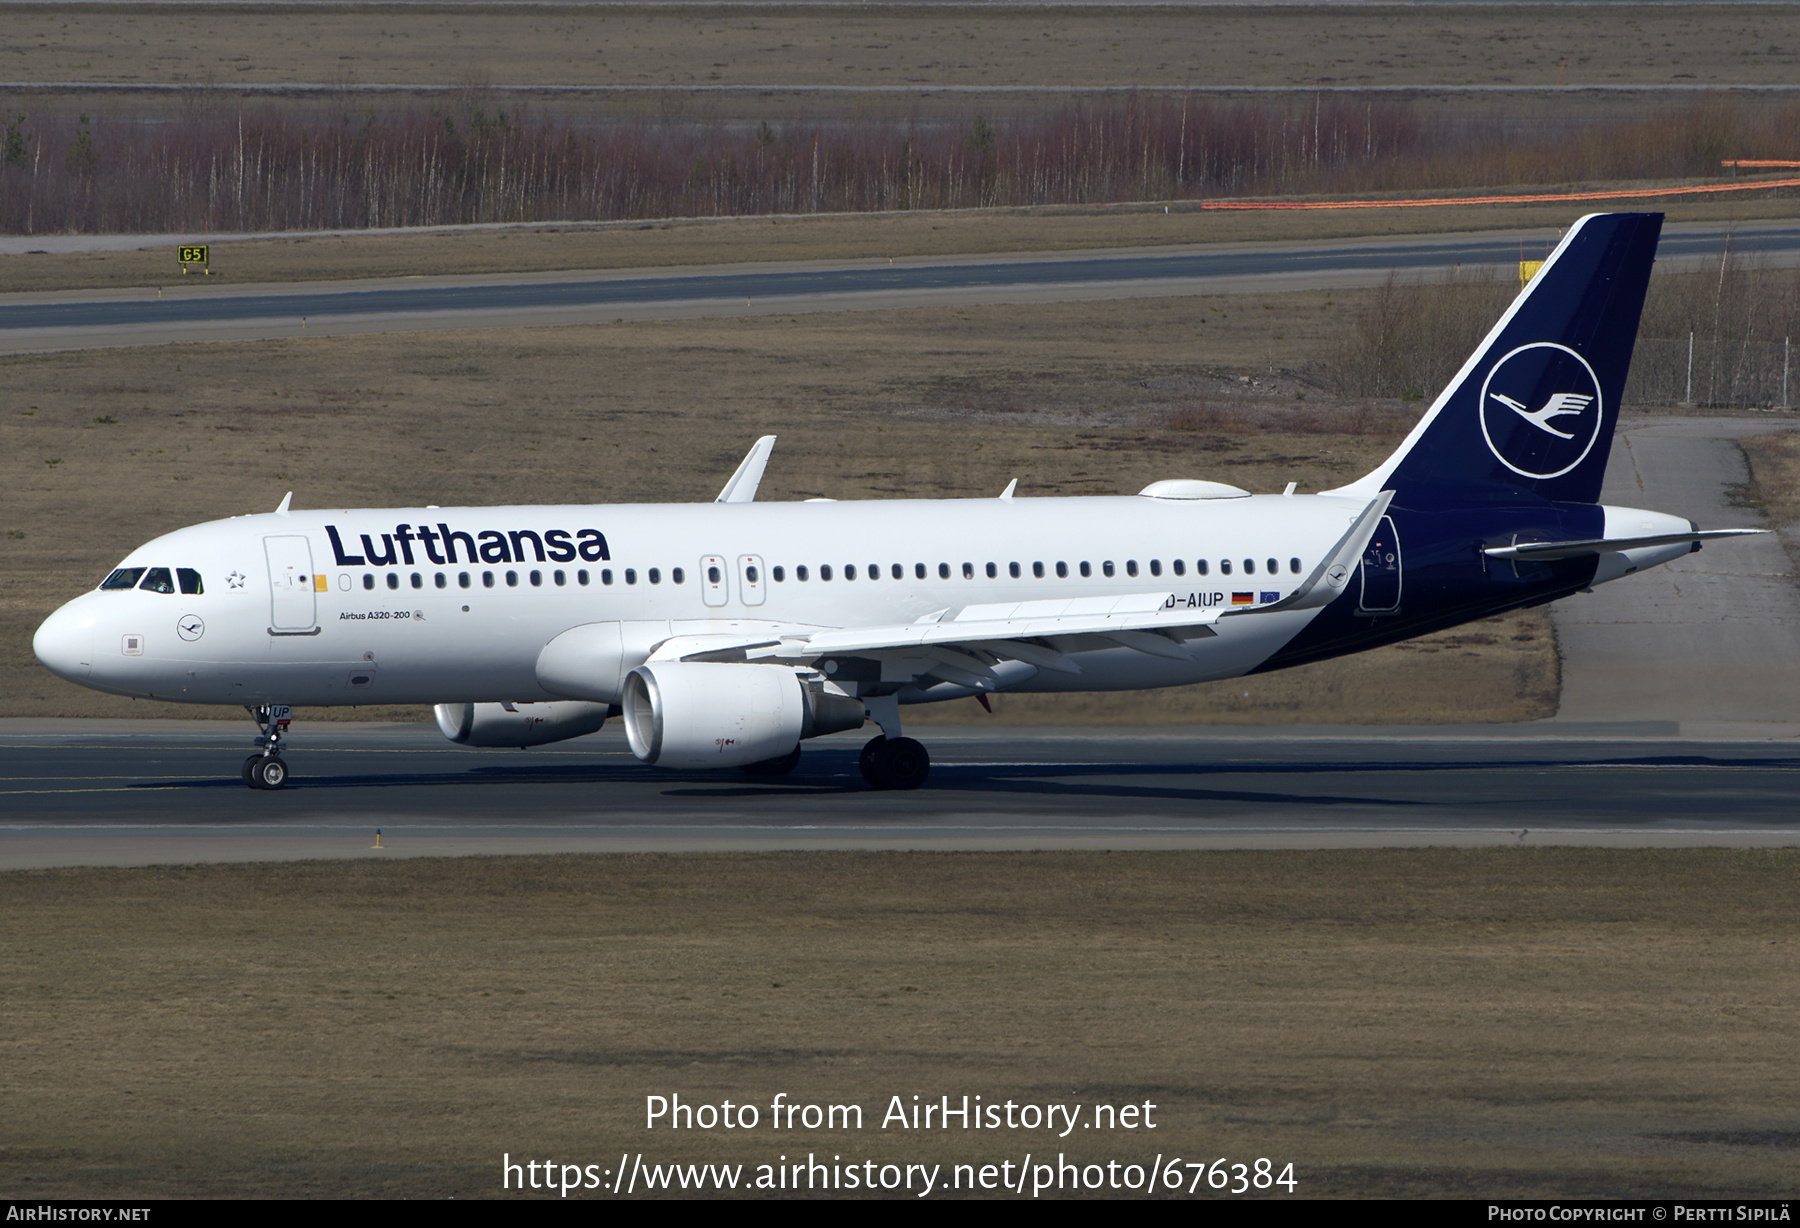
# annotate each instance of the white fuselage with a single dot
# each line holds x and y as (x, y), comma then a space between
(289, 616)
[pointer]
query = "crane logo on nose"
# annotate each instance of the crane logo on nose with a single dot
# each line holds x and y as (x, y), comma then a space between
(190, 628)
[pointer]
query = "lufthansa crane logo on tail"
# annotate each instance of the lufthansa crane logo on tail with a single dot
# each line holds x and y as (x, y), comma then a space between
(1541, 410)
(1561, 403)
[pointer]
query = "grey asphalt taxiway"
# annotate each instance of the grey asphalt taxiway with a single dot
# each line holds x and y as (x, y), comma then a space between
(196, 311)
(93, 793)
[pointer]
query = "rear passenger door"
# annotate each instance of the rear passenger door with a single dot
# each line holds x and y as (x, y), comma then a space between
(1381, 570)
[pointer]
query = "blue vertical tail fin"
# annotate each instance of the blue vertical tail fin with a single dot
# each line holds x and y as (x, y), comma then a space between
(1533, 409)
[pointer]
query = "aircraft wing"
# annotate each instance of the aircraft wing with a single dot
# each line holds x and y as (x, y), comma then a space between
(997, 627)
(1037, 632)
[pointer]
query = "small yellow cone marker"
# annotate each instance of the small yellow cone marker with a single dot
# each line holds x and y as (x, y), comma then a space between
(377, 837)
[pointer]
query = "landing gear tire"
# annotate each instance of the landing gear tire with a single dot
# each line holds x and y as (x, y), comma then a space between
(895, 763)
(866, 762)
(781, 765)
(265, 772)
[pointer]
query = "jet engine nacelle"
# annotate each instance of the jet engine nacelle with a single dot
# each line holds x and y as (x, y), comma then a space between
(705, 714)
(519, 724)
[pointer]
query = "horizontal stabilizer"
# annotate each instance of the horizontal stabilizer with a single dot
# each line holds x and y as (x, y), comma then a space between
(1545, 552)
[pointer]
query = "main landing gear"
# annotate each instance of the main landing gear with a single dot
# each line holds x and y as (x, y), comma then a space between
(894, 763)
(891, 761)
(266, 769)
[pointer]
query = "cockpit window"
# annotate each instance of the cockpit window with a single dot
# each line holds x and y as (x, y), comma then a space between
(190, 581)
(124, 577)
(157, 580)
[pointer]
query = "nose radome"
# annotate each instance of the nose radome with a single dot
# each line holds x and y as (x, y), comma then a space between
(65, 643)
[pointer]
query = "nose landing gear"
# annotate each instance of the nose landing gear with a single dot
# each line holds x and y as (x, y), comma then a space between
(267, 770)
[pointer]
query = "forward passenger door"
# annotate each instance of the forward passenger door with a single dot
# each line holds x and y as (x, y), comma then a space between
(292, 606)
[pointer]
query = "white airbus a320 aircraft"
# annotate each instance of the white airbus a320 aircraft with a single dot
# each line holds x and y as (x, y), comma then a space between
(728, 633)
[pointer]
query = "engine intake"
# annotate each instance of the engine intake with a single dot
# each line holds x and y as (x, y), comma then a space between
(520, 725)
(706, 714)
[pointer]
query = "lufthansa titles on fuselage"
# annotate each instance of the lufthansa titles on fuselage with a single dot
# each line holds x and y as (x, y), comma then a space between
(442, 544)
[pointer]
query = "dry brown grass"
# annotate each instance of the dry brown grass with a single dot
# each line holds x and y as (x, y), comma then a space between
(1775, 484)
(712, 241)
(1775, 467)
(682, 45)
(101, 450)
(1513, 1023)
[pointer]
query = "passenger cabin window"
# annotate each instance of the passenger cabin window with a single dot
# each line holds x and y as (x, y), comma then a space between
(1249, 567)
(918, 571)
(368, 579)
(1201, 567)
(993, 572)
(800, 573)
(512, 579)
(393, 579)
(849, 571)
(1086, 570)
(537, 579)
(1273, 567)
(1294, 566)
(1106, 568)
(487, 579)
(824, 571)
(655, 574)
(1131, 567)
(606, 576)
(158, 580)
(1012, 569)
(581, 577)
(1062, 571)
(190, 581)
(631, 575)
(943, 571)
(441, 580)
(124, 577)
(1156, 567)
(1224, 567)
(680, 576)
(462, 579)
(780, 573)
(1180, 566)
(968, 571)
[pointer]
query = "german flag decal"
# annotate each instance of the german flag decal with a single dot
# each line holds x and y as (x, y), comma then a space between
(1243, 599)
